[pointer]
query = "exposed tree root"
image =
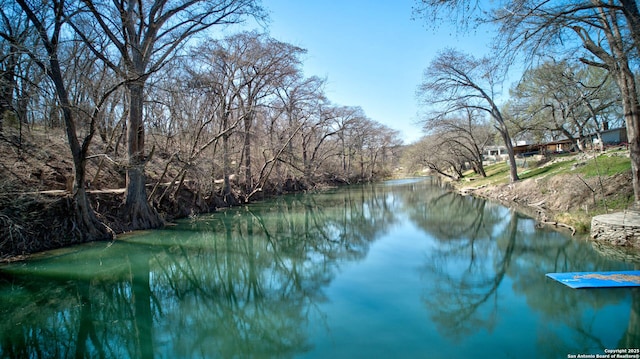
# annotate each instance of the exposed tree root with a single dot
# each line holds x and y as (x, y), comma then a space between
(33, 223)
(558, 224)
(544, 220)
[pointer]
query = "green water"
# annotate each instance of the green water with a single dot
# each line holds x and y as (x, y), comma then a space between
(399, 269)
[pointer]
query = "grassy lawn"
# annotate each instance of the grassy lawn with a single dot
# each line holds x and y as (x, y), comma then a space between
(607, 164)
(585, 167)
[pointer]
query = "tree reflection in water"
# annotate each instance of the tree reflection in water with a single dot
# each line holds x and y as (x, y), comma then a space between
(240, 283)
(487, 244)
(250, 282)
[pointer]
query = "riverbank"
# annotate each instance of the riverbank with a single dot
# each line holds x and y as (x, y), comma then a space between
(36, 210)
(563, 191)
(36, 178)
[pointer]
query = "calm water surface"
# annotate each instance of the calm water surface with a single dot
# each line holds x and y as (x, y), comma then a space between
(400, 269)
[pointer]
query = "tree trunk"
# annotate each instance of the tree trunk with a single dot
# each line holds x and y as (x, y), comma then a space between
(506, 138)
(305, 160)
(3, 111)
(87, 224)
(247, 155)
(616, 60)
(227, 196)
(90, 228)
(362, 175)
(138, 212)
(6, 96)
(478, 168)
(8, 85)
(631, 109)
(513, 168)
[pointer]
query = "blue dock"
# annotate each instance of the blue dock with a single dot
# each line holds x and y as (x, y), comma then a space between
(598, 279)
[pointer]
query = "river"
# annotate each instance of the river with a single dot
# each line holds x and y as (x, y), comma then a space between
(399, 269)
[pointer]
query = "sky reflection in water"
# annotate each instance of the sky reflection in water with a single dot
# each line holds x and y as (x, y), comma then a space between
(401, 269)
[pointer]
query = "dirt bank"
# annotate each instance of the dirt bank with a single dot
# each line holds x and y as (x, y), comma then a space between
(563, 198)
(36, 207)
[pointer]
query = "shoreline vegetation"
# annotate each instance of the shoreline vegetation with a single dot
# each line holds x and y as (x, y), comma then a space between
(36, 191)
(562, 190)
(36, 207)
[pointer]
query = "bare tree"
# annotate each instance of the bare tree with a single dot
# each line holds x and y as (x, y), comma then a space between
(366, 144)
(17, 72)
(304, 106)
(436, 154)
(274, 63)
(254, 66)
(12, 34)
(48, 22)
(563, 99)
(140, 39)
(346, 118)
(381, 145)
(455, 82)
(214, 75)
(187, 117)
(608, 32)
(467, 132)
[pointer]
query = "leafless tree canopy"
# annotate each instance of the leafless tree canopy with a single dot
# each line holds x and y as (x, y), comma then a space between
(559, 99)
(456, 82)
(602, 34)
(230, 117)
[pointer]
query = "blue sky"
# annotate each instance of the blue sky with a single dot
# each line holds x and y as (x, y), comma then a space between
(371, 52)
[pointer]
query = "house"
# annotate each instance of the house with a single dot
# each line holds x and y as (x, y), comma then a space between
(526, 150)
(611, 137)
(494, 153)
(560, 146)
